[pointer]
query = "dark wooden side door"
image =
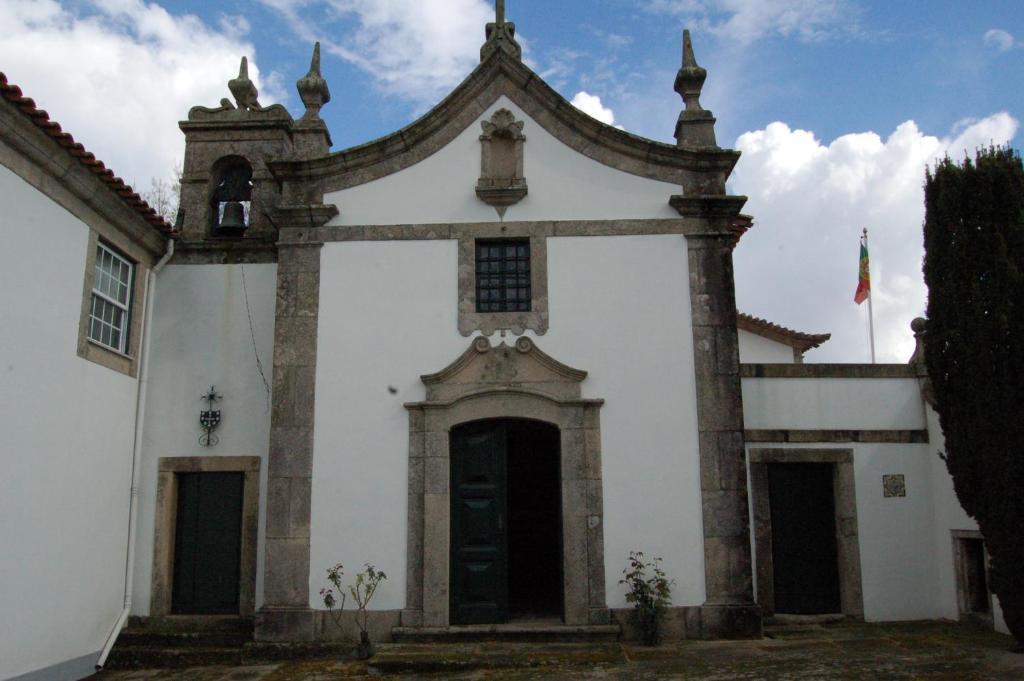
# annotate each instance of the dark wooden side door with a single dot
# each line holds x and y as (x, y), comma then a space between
(479, 583)
(804, 552)
(207, 544)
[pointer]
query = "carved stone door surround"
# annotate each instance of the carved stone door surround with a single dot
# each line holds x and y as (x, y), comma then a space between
(504, 382)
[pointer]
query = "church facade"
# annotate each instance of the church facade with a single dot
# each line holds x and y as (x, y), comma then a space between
(491, 354)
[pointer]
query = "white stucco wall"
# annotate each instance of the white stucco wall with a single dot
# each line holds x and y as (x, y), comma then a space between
(201, 337)
(832, 403)
(619, 308)
(68, 427)
(563, 184)
(756, 349)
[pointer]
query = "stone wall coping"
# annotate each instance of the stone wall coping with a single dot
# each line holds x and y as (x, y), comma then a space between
(500, 74)
(895, 436)
(828, 371)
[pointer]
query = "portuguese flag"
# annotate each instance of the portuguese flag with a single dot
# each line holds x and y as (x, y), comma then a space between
(864, 283)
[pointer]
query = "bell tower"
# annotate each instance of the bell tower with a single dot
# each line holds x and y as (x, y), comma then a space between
(227, 190)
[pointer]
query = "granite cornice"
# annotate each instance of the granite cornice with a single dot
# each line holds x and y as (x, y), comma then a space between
(502, 75)
(688, 227)
(29, 153)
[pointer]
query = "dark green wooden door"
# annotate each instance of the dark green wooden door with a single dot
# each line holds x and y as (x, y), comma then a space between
(207, 544)
(479, 583)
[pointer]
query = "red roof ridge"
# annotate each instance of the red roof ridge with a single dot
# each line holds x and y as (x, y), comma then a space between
(39, 117)
(797, 339)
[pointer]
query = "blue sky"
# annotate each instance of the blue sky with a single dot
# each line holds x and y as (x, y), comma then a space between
(837, 105)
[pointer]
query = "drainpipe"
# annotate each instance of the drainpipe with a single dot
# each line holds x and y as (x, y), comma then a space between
(140, 414)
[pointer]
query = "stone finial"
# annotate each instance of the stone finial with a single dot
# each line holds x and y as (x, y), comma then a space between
(501, 35)
(696, 125)
(313, 90)
(243, 89)
(918, 326)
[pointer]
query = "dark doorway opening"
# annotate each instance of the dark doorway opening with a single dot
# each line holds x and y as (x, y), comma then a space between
(805, 562)
(534, 521)
(973, 584)
(506, 521)
(207, 544)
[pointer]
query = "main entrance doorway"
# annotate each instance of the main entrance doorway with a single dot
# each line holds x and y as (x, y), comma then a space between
(506, 524)
(207, 544)
(804, 550)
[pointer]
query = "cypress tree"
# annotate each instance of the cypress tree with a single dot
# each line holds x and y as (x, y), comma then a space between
(974, 269)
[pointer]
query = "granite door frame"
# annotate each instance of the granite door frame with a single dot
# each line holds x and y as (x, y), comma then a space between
(847, 538)
(166, 520)
(429, 511)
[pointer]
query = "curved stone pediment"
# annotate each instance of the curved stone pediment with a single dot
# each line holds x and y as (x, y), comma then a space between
(484, 367)
(698, 169)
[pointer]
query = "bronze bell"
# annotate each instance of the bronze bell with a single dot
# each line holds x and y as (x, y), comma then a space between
(234, 216)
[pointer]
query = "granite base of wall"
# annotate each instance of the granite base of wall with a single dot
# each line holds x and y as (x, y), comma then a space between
(697, 622)
(379, 624)
(285, 624)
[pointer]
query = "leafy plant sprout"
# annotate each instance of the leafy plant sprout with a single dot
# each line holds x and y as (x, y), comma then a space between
(650, 593)
(361, 591)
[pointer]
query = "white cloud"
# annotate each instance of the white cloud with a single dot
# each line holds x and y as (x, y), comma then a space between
(120, 75)
(417, 49)
(798, 266)
(1001, 40)
(745, 21)
(592, 106)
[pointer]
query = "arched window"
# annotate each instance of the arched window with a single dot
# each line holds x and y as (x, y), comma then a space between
(232, 199)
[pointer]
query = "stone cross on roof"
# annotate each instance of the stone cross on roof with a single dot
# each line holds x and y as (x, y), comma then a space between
(501, 35)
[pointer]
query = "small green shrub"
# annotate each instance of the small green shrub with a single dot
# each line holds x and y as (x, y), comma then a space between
(361, 591)
(650, 592)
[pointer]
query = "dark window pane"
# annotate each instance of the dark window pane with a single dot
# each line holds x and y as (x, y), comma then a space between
(503, 275)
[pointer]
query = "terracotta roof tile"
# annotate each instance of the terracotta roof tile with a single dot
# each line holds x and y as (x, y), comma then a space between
(796, 339)
(27, 106)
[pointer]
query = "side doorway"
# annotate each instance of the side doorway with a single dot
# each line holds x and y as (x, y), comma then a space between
(806, 538)
(204, 542)
(506, 542)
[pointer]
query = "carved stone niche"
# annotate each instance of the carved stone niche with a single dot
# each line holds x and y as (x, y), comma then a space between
(501, 181)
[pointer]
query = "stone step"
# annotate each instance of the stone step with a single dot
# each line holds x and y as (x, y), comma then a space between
(448, 658)
(545, 633)
(149, 638)
(151, 657)
(191, 623)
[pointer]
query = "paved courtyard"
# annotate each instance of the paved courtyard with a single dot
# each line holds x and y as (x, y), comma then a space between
(919, 651)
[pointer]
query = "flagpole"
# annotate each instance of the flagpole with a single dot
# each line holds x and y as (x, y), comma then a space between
(871, 309)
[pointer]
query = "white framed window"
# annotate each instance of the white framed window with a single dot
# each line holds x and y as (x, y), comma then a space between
(109, 311)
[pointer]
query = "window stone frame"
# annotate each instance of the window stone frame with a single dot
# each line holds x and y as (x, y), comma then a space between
(486, 323)
(126, 362)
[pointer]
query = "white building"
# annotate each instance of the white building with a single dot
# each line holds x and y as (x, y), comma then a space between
(491, 354)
